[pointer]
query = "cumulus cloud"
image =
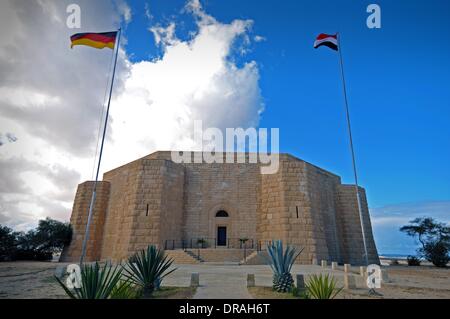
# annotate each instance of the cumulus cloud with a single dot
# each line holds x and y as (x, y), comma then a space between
(51, 98)
(194, 79)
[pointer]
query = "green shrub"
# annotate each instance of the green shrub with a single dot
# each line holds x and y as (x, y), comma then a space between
(281, 263)
(394, 262)
(126, 290)
(437, 252)
(322, 287)
(201, 242)
(96, 282)
(148, 268)
(413, 261)
(301, 293)
(32, 254)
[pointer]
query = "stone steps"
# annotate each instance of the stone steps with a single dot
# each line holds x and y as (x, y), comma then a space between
(195, 256)
(209, 255)
(222, 255)
(181, 257)
(256, 258)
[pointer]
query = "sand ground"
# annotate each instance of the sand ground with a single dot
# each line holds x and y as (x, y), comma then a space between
(35, 280)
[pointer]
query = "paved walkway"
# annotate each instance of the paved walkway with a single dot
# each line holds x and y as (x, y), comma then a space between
(216, 281)
(222, 283)
(228, 281)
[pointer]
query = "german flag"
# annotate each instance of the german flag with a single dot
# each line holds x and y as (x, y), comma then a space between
(95, 40)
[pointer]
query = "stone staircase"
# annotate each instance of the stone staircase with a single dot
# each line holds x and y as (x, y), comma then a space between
(180, 256)
(256, 258)
(222, 255)
(195, 256)
(190, 256)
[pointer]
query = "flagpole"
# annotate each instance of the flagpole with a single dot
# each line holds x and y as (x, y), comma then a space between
(94, 191)
(352, 150)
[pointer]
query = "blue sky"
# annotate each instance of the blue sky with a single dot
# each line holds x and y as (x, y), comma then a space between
(398, 80)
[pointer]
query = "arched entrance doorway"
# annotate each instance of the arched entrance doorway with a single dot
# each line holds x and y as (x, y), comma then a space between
(221, 224)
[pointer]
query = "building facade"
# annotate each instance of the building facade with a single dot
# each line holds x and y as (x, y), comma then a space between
(154, 200)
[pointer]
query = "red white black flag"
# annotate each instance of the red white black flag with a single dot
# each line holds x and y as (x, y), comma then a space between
(327, 40)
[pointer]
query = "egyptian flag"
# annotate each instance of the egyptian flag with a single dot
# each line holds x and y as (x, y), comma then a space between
(95, 40)
(327, 40)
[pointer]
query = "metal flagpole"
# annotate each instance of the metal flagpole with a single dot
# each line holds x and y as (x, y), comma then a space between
(94, 191)
(352, 150)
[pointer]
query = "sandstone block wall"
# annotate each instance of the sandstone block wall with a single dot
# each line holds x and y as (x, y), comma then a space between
(297, 206)
(121, 210)
(79, 218)
(209, 188)
(153, 199)
(170, 213)
(350, 226)
(146, 207)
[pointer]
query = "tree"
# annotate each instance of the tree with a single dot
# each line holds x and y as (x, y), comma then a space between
(29, 248)
(52, 235)
(37, 244)
(437, 252)
(434, 238)
(7, 243)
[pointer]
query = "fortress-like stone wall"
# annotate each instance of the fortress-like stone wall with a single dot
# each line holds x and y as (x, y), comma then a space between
(156, 201)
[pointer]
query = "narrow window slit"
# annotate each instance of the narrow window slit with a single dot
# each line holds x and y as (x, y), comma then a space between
(146, 212)
(296, 208)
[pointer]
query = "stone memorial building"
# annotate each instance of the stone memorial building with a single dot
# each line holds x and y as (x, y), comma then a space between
(154, 200)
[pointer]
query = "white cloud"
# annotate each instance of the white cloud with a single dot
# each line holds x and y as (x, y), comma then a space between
(398, 213)
(259, 38)
(387, 220)
(148, 12)
(165, 36)
(124, 10)
(51, 96)
(50, 101)
(193, 80)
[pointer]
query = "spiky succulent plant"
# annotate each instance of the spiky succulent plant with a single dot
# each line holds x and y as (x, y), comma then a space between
(281, 262)
(322, 287)
(96, 282)
(148, 268)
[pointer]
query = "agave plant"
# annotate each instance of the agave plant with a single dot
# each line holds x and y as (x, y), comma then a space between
(281, 263)
(322, 287)
(96, 282)
(125, 289)
(148, 268)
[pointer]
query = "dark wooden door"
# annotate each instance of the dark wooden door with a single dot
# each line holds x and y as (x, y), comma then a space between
(221, 236)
